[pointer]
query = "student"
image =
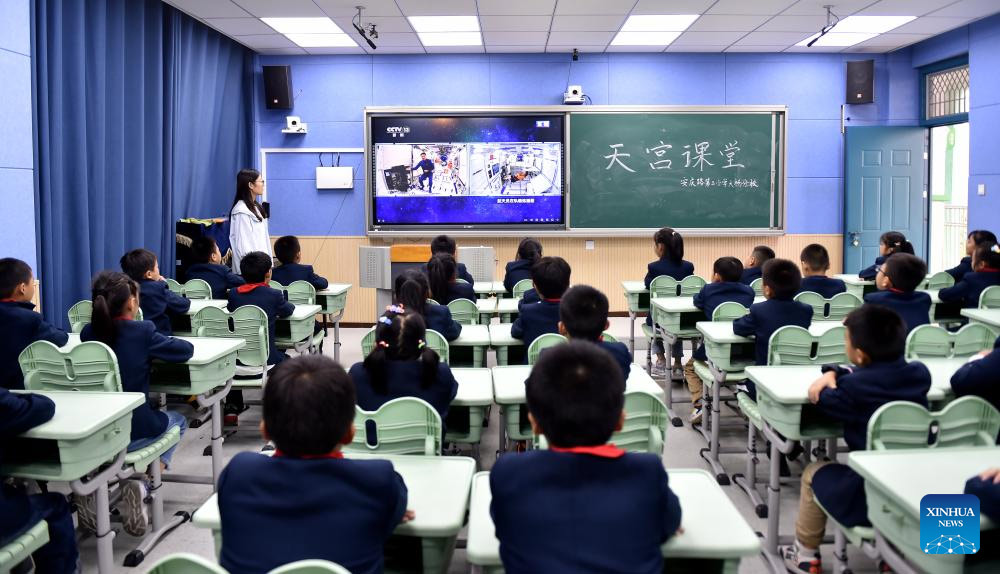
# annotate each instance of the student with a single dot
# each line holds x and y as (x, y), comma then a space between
(583, 314)
(550, 278)
(725, 286)
(897, 280)
(889, 243)
(529, 251)
(158, 302)
(815, 263)
(986, 487)
(441, 277)
(755, 264)
(208, 267)
(20, 412)
(411, 291)
(583, 505)
(136, 344)
(307, 500)
(975, 238)
(446, 245)
(875, 341)
(980, 376)
(669, 248)
(288, 251)
(20, 325)
(985, 273)
(402, 365)
(781, 280)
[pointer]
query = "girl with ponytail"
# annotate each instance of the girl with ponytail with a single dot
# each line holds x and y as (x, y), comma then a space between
(669, 248)
(442, 274)
(529, 251)
(411, 290)
(890, 242)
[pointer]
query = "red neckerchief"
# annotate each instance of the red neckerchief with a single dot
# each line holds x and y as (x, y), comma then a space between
(989, 270)
(604, 451)
(334, 454)
(551, 300)
(899, 291)
(249, 287)
(123, 318)
(7, 301)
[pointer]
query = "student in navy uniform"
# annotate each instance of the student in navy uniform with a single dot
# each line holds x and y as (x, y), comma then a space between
(308, 501)
(402, 365)
(20, 325)
(208, 267)
(158, 302)
(985, 273)
(289, 253)
(754, 266)
(781, 279)
(965, 265)
(725, 286)
(986, 487)
(441, 274)
(875, 341)
(446, 245)
(889, 243)
(980, 376)
(583, 505)
(583, 314)
(815, 263)
(669, 248)
(136, 344)
(529, 251)
(897, 280)
(411, 290)
(550, 278)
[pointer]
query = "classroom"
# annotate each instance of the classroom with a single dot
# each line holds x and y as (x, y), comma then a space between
(490, 266)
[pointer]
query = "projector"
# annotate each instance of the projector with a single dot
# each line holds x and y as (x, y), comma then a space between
(574, 95)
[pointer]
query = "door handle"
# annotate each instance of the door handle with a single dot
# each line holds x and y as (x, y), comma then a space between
(855, 238)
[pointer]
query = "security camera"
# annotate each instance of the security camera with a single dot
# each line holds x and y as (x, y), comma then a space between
(292, 122)
(574, 95)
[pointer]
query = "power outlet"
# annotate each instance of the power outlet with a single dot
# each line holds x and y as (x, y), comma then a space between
(981, 189)
(588, 245)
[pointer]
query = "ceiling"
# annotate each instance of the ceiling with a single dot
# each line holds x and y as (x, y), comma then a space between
(588, 25)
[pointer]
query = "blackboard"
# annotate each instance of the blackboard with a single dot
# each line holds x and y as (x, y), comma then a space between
(682, 169)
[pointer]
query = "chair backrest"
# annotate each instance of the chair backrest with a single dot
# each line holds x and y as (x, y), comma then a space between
(691, 285)
(645, 425)
(608, 337)
(248, 322)
(90, 366)
(990, 298)
(968, 421)
(174, 286)
(186, 564)
(814, 300)
(311, 567)
(939, 280)
(758, 286)
(438, 343)
(543, 342)
(927, 341)
(728, 311)
(79, 315)
(830, 347)
(297, 292)
(464, 311)
(972, 339)
(790, 345)
(406, 425)
(663, 286)
(368, 342)
(197, 289)
(840, 306)
(520, 287)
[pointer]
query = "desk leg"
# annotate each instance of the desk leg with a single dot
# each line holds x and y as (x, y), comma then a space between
(336, 335)
(502, 447)
(215, 402)
(892, 556)
(713, 421)
(105, 536)
(631, 333)
(769, 548)
(668, 381)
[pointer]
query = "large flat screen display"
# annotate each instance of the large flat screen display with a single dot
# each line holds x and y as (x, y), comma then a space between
(466, 171)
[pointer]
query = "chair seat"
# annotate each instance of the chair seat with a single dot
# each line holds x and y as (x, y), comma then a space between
(248, 376)
(705, 374)
(856, 535)
(749, 408)
(140, 459)
(647, 330)
(18, 549)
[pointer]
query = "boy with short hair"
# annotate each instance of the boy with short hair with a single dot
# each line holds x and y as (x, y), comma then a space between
(897, 280)
(980, 376)
(579, 505)
(755, 264)
(445, 244)
(550, 278)
(20, 325)
(583, 314)
(208, 267)
(340, 510)
(875, 341)
(289, 252)
(815, 261)
(157, 301)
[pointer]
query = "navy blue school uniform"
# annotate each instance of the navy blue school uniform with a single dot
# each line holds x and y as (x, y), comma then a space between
(869, 273)
(750, 274)
(988, 494)
(598, 509)
(404, 380)
(218, 277)
(460, 271)
(715, 294)
(980, 377)
(914, 307)
(666, 266)
(763, 320)
(619, 352)
(859, 393)
(21, 326)
(286, 273)
(274, 305)
(516, 271)
(825, 286)
(457, 290)
(529, 296)
(158, 302)
(279, 509)
(438, 317)
(136, 345)
(967, 290)
(535, 319)
(957, 272)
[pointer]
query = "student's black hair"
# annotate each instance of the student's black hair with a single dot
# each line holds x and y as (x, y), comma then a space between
(443, 244)
(576, 393)
(254, 266)
(308, 405)
(109, 294)
(988, 253)
(729, 268)
(672, 242)
(551, 277)
(400, 336)
(762, 254)
(243, 180)
(896, 242)
(878, 331)
(783, 277)
(410, 290)
(529, 249)
(982, 236)
(583, 310)
(202, 249)
(441, 270)
(905, 271)
(815, 257)
(286, 248)
(13, 272)
(137, 262)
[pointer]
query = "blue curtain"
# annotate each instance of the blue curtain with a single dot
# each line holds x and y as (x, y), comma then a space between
(129, 98)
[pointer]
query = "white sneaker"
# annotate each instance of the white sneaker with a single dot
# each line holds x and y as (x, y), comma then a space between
(659, 369)
(800, 560)
(695, 418)
(134, 514)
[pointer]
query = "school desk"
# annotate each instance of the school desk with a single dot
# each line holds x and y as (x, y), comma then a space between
(472, 401)
(501, 341)
(181, 323)
(87, 431)
(507, 309)
(489, 288)
(298, 326)
(438, 495)
(487, 307)
(896, 480)
(637, 298)
(333, 300)
(943, 312)
(475, 336)
(714, 532)
(988, 317)
(857, 286)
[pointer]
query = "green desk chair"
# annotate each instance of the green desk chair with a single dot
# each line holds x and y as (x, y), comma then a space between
(185, 563)
(19, 549)
(249, 323)
(990, 298)
(660, 286)
(174, 286)
(608, 337)
(840, 306)
(437, 343)
(543, 342)
(971, 339)
(790, 345)
(196, 289)
(690, 286)
(297, 292)
(79, 315)
(520, 287)
(829, 347)
(464, 311)
(939, 280)
(814, 300)
(645, 427)
(928, 341)
(729, 311)
(311, 567)
(758, 286)
(406, 425)
(368, 342)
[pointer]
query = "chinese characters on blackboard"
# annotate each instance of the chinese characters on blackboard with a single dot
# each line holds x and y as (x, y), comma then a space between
(697, 156)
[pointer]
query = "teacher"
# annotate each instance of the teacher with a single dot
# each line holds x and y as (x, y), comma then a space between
(247, 223)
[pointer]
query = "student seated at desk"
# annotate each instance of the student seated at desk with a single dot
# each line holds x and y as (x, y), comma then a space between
(754, 266)
(20, 324)
(208, 267)
(529, 251)
(446, 245)
(965, 265)
(669, 248)
(158, 302)
(583, 314)
(874, 341)
(781, 279)
(985, 273)
(136, 344)
(897, 280)
(550, 278)
(308, 501)
(441, 274)
(815, 263)
(411, 291)
(986, 487)
(980, 376)
(583, 505)
(289, 253)
(889, 243)
(725, 286)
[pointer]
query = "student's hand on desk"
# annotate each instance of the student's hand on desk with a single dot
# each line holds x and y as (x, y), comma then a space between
(408, 516)
(991, 474)
(827, 381)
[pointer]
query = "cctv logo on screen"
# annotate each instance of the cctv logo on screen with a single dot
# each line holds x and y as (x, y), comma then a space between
(949, 524)
(399, 131)
(541, 123)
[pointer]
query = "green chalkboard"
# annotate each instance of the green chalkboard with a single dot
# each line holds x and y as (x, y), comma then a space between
(712, 170)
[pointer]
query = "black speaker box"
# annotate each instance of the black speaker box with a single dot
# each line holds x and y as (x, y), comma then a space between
(861, 82)
(278, 87)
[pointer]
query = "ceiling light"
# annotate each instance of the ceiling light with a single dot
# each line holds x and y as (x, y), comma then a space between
(870, 24)
(444, 23)
(450, 38)
(659, 22)
(322, 40)
(644, 38)
(303, 25)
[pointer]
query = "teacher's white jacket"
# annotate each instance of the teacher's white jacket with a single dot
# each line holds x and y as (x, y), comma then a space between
(247, 234)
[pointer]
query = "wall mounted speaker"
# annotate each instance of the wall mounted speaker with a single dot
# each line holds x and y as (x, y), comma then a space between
(861, 82)
(278, 87)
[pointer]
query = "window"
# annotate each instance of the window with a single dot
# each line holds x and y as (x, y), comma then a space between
(945, 94)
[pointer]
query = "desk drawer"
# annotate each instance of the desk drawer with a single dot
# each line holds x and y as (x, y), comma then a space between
(730, 357)
(903, 530)
(185, 379)
(637, 302)
(67, 460)
(332, 304)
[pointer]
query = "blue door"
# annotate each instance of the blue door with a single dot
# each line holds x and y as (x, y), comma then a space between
(884, 190)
